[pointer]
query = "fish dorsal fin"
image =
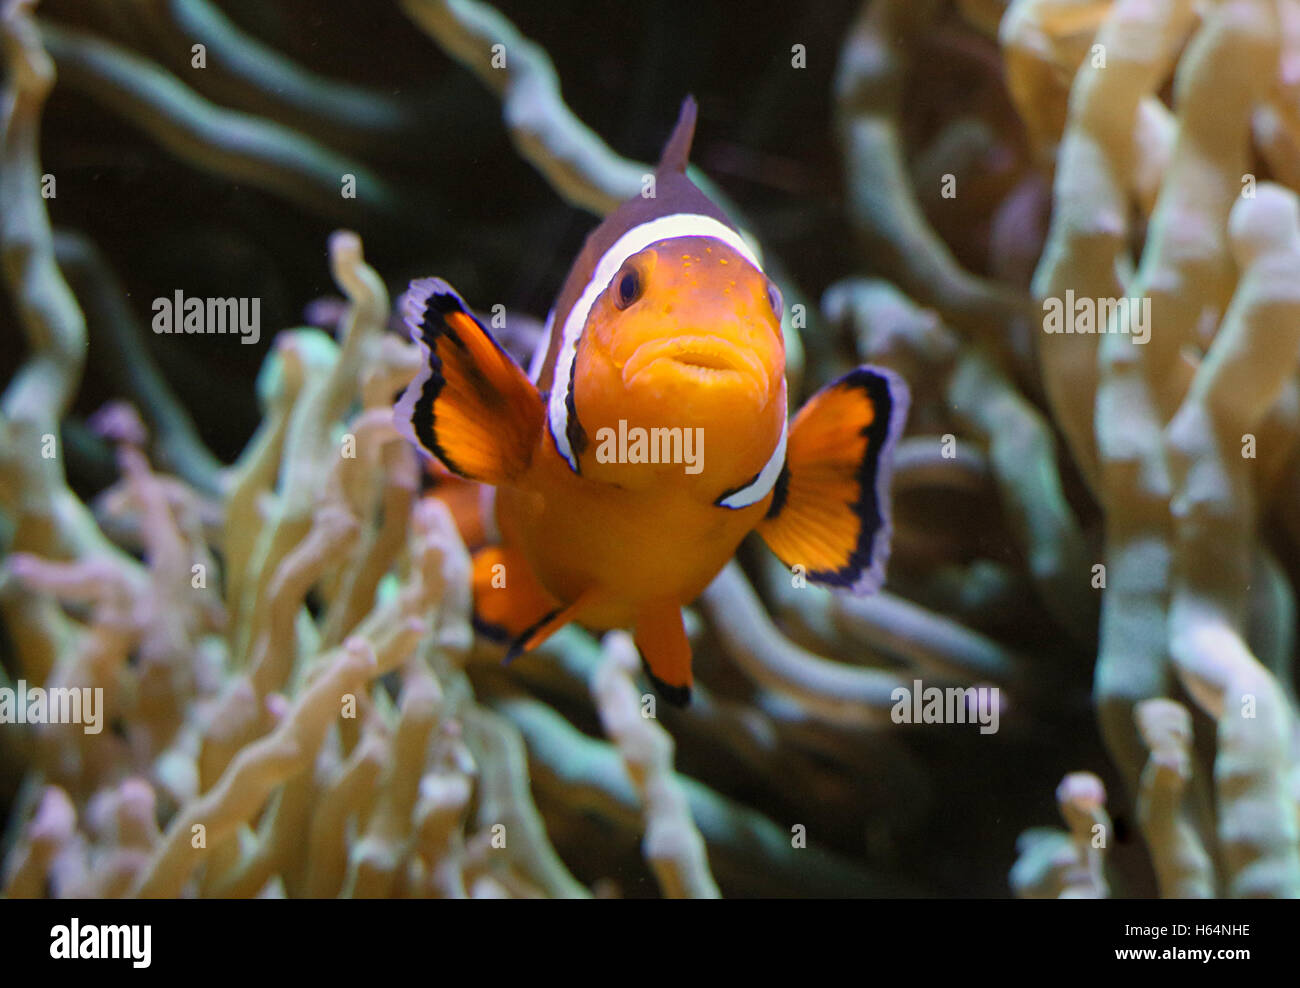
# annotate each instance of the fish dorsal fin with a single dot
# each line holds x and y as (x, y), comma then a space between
(677, 152)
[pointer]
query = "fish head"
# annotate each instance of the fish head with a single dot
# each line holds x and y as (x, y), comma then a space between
(686, 335)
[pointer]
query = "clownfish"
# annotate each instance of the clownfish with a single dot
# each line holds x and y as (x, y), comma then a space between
(651, 435)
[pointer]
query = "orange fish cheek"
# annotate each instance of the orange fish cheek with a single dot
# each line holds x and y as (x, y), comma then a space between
(739, 446)
(600, 402)
(599, 336)
(598, 387)
(761, 332)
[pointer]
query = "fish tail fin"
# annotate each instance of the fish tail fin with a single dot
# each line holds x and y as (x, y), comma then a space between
(470, 405)
(830, 512)
(677, 152)
(665, 651)
(509, 603)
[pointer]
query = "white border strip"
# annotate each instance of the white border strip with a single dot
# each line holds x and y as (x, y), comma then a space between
(764, 482)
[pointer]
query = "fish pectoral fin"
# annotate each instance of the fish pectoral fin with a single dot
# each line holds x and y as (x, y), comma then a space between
(470, 406)
(665, 651)
(830, 511)
(508, 601)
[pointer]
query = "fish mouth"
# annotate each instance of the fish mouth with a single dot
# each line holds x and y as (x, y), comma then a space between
(705, 358)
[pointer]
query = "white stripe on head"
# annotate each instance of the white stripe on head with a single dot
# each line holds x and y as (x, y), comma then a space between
(637, 239)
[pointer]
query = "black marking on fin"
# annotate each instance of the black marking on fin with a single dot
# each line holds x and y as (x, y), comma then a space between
(422, 420)
(870, 506)
(678, 696)
(492, 632)
(427, 306)
(780, 491)
(423, 295)
(516, 648)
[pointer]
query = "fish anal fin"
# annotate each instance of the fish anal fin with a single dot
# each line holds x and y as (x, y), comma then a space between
(665, 651)
(830, 513)
(470, 406)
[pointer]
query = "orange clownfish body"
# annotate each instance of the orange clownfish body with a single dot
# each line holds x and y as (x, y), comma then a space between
(652, 436)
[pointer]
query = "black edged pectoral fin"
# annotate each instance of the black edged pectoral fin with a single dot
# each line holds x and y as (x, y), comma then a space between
(470, 406)
(830, 513)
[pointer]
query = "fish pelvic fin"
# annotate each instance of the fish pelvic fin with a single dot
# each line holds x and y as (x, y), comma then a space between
(665, 651)
(509, 603)
(677, 152)
(830, 510)
(548, 625)
(470, 405)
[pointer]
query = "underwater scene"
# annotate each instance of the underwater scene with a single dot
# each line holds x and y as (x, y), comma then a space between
(519, 449)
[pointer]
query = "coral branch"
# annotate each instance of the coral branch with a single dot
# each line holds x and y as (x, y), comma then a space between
(748, 851)
(1052, 864)
(1213, 508)
(223, 142)
(832, 691)
(1085, 250)
(1183, 868)
(672, 845)
(243, 71)
(882, 204)
(254, 773)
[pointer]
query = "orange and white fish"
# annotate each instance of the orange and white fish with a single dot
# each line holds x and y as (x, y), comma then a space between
(651, 436)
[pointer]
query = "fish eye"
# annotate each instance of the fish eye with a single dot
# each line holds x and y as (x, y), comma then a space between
(629, 288)
(774, 298)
